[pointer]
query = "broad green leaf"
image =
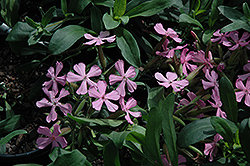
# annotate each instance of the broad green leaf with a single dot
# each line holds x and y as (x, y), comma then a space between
(20, 32)
(64, 38)
(35, 38)
(118, 138)
(244, 137)
(214, 12)
(78, 6)
(47, 17)
(31, 23)
(128, 46)
(119, 7)
(222, 127)
(9, 125)
(167, 110)
(75, 157)
(28, 165)
(56, 152)
(109, 22)
(107, 3)
(194, 132)
(154, 96)
(111, 155)
(64, 6)
(207, 35)
(136, 137)
(246, 10)
(150, 8)
(94, 122)
(124, 19)
(235, 26)
(96, 19)
(9, 11)
(228, 99)
(184, 18)
(8, 137)
(231, 14)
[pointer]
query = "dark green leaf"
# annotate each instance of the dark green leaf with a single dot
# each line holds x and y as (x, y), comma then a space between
(109, 22)
(118, 138)
(35, 38)
(231, 14)
(107, 3)
(96, 19)
(9, 125)
(31, 23)
(154, 96)
(119, 7)
(235, 26)
(195, 132)
(20, 32)
(111, 155)
(64, 6)
(128, 46)
(78, 6)
(9, 11)
(9, 112)
(125, 19)
(244, 137)
(56, 152)
(8, 137)
(228, 99)
(246, 10)
(47, 17)
(214, 12)
(136, 137)
(184, 18)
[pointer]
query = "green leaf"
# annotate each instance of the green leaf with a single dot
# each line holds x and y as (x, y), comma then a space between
(78, 6)
(128, 46)
(20, 32)
(136, 137)
(107, 3)
(184, 18)
(111, 155)
(75, 157)
(194, 132)
(119, 7)
(231, 14)
(64, 38)
(9, 112)
(118, 138)
(56, 152)
(125, 19)
(228, 99)
(8, 125)
(35, 38)
(246, 10)
(31, 23)
(235, 26)
(94, 122)
(150, 8)
(214, 12)
(64, 6)
(244, 137)
(9, 11)
(47, 17)
(96, 19)
(167, 110)
(8, 137)
(154, 96)
(109, 22)
(222, 127)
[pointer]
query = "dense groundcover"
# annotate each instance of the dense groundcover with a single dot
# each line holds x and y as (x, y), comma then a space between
(125, 82)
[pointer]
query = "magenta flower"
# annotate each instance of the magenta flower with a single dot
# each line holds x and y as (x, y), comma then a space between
(199, 57)
(85, 78)
(184, 61)
(246, 67)
(211, 148)
(100, 39)
(212, 78)
(181, 160)
(169, 32)
(53, 138)
(238, 42)
(53, 103)
(221, 66)
(130, 104)
(124, 78)
(245, 91)
(102, 97)
(54, 77)
(169, 53)
(169, 81)
(221, 37)
(216, 97)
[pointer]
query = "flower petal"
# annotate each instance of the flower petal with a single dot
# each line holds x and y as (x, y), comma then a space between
(71, 77)
(65, 108)
(119, 65)
(97, 104)
(44, 130)
(94, 71)
(159, 29)
(114, 78)
(111, 106)
(43, 142)
(57, 130)
(62, 141)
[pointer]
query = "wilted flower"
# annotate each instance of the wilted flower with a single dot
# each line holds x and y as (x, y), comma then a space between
(169, 32)
(100, 39)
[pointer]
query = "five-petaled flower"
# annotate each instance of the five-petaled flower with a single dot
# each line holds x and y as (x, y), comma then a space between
(213, 80)
(184, 61)
(53, 103)
(245, 91)
(124, 78)
(85, 78)
(221, 37)
(169, 81)
(238, 42)
(53, 138)
(100, 39)
(125, 107)
(211, 148)
(169, 32)
(102, 97)
(216, 97)
(54, 77)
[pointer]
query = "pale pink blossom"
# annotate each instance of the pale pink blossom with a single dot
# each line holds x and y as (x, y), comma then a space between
(124, 78)
(54, 77)
(185, 59)
(212, 80)
(100, 39)
(169, 32)
(237, 42)
(216, 97)
(53, 138)
(85, 78)
(199, 57)
(246, 67)
(211, 148)
(220, 36)
(170, 81)
(125, 107)
(245, 91)
(53, 103)
(168, 53)
(102, 97)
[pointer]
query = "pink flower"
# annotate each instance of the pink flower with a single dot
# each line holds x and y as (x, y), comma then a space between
(238, 42)
(54, 79)
(221, 37)
(212, 78)
(130, 104)
(169, 53)
(245, 91)
(216, 97)
(199, 57)
(53, 138)
(211, 148)
(246, 67)
(80, 69)
(184, 61)
(100, 39)
(181, 160)
(124, 78)
(102, 97)
(53, 103)
(170, 32)
(221, 66)
(169, 81)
